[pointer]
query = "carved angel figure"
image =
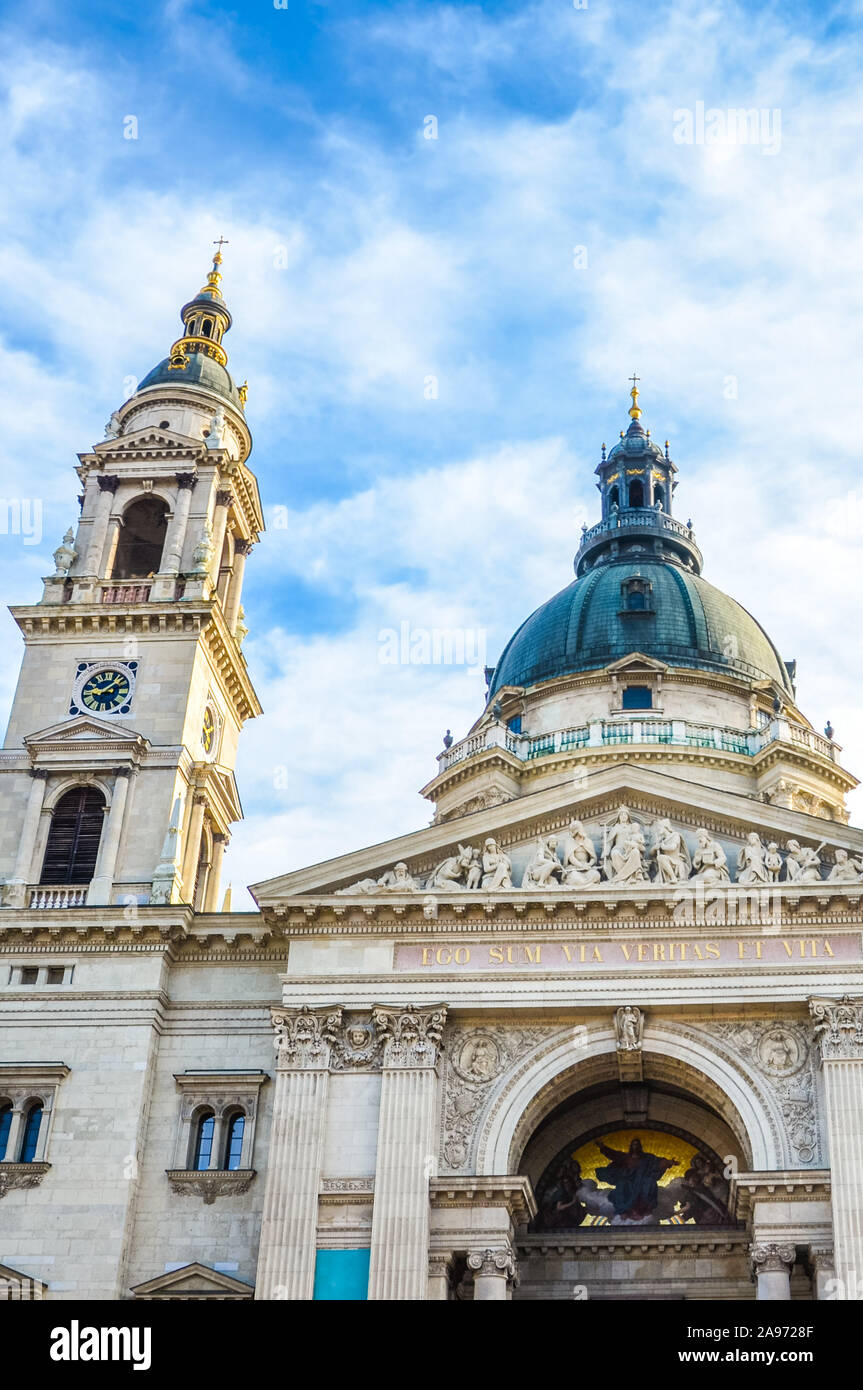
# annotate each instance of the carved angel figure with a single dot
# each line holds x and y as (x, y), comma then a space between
(623, 850)
(496, 867)
(709, 862)
(628, 1026)
(802, 864)
(846, 869)
(580, 869)
(669, 850)
(751, 867)
(545, 867)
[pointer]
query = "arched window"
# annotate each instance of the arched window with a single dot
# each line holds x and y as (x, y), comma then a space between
(636, 493)
(31, 1132)
(203, 1148)
(635, 599)
(5, 1126)
(614, 497)
(637, 697)
(142, 539)
(234, 1132)
(207, 328)
(73, 839)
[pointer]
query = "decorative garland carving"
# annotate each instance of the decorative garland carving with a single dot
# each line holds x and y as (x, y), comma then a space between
(477, 1057)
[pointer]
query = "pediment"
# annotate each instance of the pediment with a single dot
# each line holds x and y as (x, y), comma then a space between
(145, 440)
(83, 729)
(516, 826)
(15, 1285)
(636, 661)
(194, 1281)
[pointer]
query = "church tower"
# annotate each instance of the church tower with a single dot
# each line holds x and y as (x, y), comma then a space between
(117, 773)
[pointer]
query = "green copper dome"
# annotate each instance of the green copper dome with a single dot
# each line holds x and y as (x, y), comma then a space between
(680, 619)
(196, 370)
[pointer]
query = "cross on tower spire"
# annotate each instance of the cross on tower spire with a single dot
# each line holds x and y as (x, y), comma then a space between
(634, 409)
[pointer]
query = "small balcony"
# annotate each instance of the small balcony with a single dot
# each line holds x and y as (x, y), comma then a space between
(60, 895)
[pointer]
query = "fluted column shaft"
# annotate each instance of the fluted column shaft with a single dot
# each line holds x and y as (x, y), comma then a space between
(839, 1034)
(286, 1259)
(406, 1152)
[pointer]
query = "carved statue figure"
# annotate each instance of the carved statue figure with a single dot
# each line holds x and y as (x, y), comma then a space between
(580, 869)
(454, 871)
(623, 850)
(496, 867)
(545, 867)
(846, 869)
(802, 864)
(218, 430)
(396, 880)
(751, 867)
(629, 1027)
(474, 873)
(709, 862)
(479, 1059)
(673, 863)
(773, 861)
(113, 429)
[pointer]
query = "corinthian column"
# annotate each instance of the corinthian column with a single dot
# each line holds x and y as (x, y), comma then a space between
(772, 1266)
(838, 1027)
(406, 1151)
(286, 1259)
(108, 485)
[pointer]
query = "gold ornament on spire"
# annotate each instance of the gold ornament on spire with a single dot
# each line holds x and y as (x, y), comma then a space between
(635, 408)
(214, 278)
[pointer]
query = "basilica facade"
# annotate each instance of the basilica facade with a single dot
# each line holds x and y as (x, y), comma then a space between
(596, 1032)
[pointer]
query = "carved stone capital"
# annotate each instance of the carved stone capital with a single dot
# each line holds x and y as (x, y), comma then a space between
(108, 482)
(224, 497)
(40, 773)
(500, 1263)
(772, 1258)
(14, 1175)
(821, 1259)
(411, 1037)
(242, 547)
(838, 1028)
(304, 1037)
(211, 1183)
(186, 481)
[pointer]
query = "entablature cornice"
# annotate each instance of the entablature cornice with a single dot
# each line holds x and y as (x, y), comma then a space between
(805, 1185)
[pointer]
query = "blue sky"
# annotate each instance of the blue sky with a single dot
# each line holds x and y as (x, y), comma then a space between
(365, 258)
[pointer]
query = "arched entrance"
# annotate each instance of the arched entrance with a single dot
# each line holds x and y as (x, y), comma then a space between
(632, 1176)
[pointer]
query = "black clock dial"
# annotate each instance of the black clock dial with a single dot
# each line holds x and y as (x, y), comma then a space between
(105, 690)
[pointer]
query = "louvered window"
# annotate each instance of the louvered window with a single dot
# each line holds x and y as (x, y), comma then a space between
(73, 840)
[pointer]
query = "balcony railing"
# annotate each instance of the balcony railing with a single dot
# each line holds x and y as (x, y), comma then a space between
(61, 895)
(126, 593)
(608, 733)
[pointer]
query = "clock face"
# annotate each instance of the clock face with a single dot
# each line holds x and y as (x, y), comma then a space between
(208, 730)
(104, 690)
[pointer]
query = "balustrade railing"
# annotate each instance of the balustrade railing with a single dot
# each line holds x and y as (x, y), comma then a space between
(60, 895)
(643, 730)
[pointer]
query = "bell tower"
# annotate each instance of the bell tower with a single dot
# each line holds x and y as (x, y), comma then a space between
(117, 773)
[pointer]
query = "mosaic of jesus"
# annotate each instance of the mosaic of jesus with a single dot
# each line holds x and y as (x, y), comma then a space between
(629, 1178)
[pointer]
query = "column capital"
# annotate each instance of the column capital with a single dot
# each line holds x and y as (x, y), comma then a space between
(108, 482)
(411, 1037)
(186, 480)
(838, 1028)
(441, 1264)
(820, 1258)
(224, 497)
(771, 1258)
(242, 547)
(304, 1036)
(40, 773)
(499, 1262)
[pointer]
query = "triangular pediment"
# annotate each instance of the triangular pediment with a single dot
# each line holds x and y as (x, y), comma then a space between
(84, 729)
(636, 661)
(147, 439)
(15, 1285)
(594, 799)
(194, 1281)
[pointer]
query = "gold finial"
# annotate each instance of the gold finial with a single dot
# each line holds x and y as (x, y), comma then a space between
(243, 393)
(635, 409)
(214, 277)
